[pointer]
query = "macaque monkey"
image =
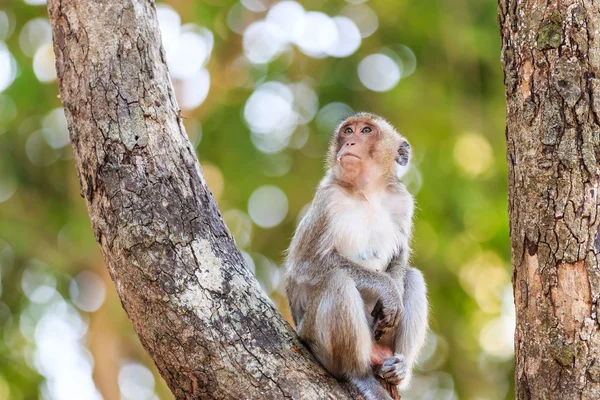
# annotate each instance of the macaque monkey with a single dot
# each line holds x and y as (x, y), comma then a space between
(355, 301)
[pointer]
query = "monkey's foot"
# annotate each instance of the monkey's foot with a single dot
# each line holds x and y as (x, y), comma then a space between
(371, 389)
(393, 369)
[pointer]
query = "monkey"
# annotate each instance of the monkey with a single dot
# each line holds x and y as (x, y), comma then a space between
(355, 301)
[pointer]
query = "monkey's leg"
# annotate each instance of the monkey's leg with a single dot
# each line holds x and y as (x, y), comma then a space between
(336, 329)
(410, 334)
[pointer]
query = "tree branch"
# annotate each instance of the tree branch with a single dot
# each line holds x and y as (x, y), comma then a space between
(196, 308)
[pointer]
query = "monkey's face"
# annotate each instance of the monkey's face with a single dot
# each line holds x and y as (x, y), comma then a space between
(367, 149)
(356, 144)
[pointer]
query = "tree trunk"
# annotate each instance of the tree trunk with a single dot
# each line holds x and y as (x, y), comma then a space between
(196, 308)
(551, 59)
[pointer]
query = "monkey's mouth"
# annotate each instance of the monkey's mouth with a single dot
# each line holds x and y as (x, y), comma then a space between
(347, 155)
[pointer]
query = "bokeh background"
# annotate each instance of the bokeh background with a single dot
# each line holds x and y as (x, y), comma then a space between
(261, 84)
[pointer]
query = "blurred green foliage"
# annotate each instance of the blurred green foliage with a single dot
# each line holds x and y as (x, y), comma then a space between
(451, 109)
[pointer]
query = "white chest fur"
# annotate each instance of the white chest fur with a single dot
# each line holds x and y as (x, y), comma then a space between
(367, 231)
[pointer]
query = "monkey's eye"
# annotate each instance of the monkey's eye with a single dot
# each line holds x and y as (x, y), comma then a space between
(348, 130)
(366, 129)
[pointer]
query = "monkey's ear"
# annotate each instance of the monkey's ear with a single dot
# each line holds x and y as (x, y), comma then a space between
(403, 153)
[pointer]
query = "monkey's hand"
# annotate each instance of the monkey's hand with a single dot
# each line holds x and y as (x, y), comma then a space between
(387, 313)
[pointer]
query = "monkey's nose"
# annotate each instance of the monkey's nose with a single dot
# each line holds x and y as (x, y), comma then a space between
(350, 143)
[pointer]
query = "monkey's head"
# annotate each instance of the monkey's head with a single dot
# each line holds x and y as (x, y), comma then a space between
(366, 149)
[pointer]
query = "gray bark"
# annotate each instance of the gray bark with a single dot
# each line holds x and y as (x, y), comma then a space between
(551, 60)
(196, 308)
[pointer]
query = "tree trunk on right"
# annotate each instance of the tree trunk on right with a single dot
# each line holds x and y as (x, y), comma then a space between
(551, 60)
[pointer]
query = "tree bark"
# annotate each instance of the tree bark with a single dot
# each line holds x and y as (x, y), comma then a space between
(196, 308)
(551, 56)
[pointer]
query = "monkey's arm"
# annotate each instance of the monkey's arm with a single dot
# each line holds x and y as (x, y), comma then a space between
(373, 284)
(397, 269)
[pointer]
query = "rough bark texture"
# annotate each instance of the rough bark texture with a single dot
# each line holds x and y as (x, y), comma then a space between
(196, 308)
(551, 59)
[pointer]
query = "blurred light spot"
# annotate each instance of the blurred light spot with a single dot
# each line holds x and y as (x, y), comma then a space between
(249, 262)
(66, 235)
(192, 92)
(5, 316)
(4, 30)
(43, 63)
(8, 187)
(458, 251)
(35, 2)
(271, 144)
(508, 302)
(237, 74)
(429, 347)
(432, 386)
(38, 151)
(331, 115)
(262, 42)
(267, 272)
(8, 67)
(378, 72)
(356, 1)
(61, 316)
(348, 38)
(408, 59)
(254, 5)
(239, 18)
(38, 284)
(27, 326)
(306, 102)
(214, 179)
(191, 53)
(299, 137)
(435, 352)
(188, 49)
(484, 277)
(473, 154)
(270, 116)
(314, 33)
(170, 27)
(268, 206)
(240, 226)
(317, 35)
(56, 131)
(412, 178)
(289, 17)
(495, 338)
(7, 257)
(364, 17)
(34, 34)
(276, 164)
(136, 382)
(194, 131)
(87, 291)
(61, 356)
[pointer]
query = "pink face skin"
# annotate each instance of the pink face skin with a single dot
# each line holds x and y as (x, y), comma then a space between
(356, 147)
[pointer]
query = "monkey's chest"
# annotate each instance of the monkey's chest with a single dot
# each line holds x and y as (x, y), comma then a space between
(367, 235)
